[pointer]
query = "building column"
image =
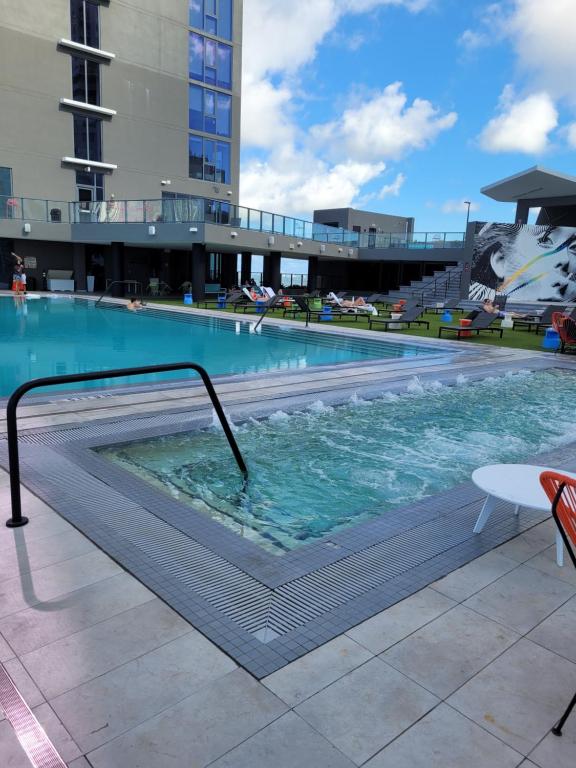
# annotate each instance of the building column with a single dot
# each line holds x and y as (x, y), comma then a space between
(114, 262)
(79, 265)
(271, 276)
(522, 212)
(246, 267)
(199, 262)
(229, 270)
(313, 282)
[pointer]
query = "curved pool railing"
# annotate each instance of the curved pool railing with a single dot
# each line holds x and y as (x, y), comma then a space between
(17, 520)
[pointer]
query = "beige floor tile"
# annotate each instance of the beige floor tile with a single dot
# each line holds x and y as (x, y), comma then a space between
(198, 730)
(394, 624)
(546, 562)
(286, 743)
(522, 598)
(12, 754)
(41, 553)
(50, 587)
(558, 631)
(446, 653)
(22, 680)
(527, 545)
(558, 751)
(308, 675)
(102, 709)
(35, 627)
(71, 661)
(41, 526)
(366, 709)
(5, 651)
(519, 696)
(466, 581)
(446, 739)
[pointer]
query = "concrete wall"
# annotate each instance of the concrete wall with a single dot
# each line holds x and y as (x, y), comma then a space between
(348, 218)
(147, 84)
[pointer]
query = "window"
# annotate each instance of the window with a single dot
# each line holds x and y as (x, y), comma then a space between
(84, 22)
(5, 182)
(210, 61)
(210, 111)
(85, 80)
(92, 183)
(213, 16)
(209, 160)
(87, 138)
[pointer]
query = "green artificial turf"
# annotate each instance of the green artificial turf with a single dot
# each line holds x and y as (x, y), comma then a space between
(514, 339)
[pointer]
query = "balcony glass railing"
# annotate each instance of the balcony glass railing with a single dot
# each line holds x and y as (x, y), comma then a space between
(30, 209)
(189, 210)
(416, 240)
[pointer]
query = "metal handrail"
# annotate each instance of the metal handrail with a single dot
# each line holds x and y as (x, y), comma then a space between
(17, 518)
(121, 282)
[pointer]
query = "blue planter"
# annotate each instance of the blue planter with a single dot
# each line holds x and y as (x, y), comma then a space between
(551, 339)
(326, 313)
(188, 298)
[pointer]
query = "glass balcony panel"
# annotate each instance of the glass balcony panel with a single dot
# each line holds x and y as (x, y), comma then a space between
(135, 211)
(35, 210)
(255, 219)
(267, 222)
(278, 224)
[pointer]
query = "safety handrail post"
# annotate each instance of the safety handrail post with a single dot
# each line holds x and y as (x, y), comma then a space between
(17, 520)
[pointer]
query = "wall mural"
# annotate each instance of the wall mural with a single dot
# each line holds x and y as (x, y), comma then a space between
(525, 262)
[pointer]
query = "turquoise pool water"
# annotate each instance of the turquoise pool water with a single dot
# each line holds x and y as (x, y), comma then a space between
(324, 469)
(56, 336)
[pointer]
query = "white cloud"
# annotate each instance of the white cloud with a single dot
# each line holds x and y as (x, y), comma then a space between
(523, 125)
(543, 37)
(458, 206)
(393, 189)
(293, 173)
(297, 184)
(571, 135)
(385, 127)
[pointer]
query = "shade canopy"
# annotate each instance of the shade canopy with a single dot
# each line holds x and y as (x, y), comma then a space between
(535, 183)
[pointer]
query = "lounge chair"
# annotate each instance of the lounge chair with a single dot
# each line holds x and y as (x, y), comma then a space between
(450, 304)
(565, 325)
(300, 305)
(481, 321)
(409, 317)
(232, 298)
(544, 320)
(263, 301)
(362, 309)
(561, 491)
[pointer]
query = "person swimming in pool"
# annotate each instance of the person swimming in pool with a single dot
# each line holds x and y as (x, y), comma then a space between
(134, 304)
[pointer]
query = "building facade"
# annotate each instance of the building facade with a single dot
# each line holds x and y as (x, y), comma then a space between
(132, 99)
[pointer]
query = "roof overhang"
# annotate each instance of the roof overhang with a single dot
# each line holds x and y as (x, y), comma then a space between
(535, 183)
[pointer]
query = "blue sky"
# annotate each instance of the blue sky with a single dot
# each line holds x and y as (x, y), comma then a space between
(403, 106)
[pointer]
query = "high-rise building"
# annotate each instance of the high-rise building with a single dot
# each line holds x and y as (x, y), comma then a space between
(133, 99)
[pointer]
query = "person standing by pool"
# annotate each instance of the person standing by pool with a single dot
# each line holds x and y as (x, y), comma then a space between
(17, 279)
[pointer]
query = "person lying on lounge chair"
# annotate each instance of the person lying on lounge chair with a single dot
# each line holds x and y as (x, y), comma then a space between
(359, 302)
(493, 309)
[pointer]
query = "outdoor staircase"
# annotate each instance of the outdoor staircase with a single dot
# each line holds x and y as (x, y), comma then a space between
(442, 285)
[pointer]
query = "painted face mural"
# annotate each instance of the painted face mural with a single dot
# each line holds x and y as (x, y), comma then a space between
(527, 263)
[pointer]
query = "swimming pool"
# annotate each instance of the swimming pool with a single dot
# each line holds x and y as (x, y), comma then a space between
(322, 470)
(62, 335)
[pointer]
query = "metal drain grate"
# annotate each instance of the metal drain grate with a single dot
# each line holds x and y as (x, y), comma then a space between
(32, 737)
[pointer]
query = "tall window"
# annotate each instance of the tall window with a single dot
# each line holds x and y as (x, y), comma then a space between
(209, 61)
(87, 138)
(210, 111)
(5, 182)
(209, 160)
(213, 16)
(84, 18)
(85, 80)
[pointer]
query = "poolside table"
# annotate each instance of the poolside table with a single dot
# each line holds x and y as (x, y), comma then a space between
(518, 484)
